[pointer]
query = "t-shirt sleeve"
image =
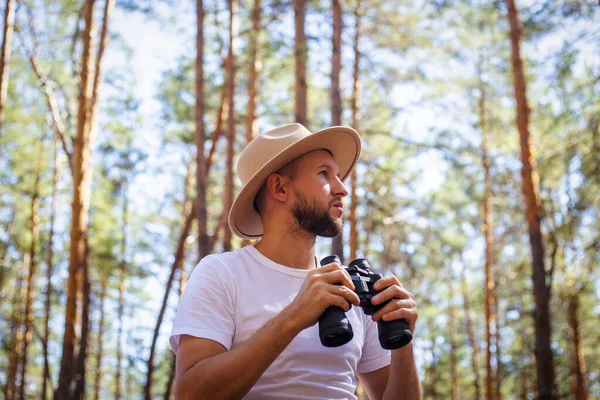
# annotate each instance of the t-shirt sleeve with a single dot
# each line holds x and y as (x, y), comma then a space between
(374, 356)
(206, 309)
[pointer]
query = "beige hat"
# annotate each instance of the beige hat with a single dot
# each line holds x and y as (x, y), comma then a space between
(270, 151)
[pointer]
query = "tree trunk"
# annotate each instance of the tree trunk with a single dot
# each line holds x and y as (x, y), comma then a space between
(189, 215)
(100, 351)
(253, 71)
(82, 175)
(523, 375)
(49, 271)
(129, 377)
(301, 58)
(91, 106)
(200, 136)
(471, 335)
(179, 254)
(183, 278)
(16, 337)
(4, 260)
(498, 350)
(488, 232)
(171, 379)
(254, 67)
(34, 224)
(368, 225)
(51, 101)
(122, 279)
(355, 106)
(530, 183)
(108, 7)
(9, 22)
(228, 195)
(80, 366)
(221, 115)
(337, 243)
(433, 373)
(578, 367)
(452, 328)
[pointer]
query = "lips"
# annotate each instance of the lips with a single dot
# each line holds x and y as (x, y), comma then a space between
(339, 205)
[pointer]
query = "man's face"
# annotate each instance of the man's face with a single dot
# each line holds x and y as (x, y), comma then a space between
(318, 192)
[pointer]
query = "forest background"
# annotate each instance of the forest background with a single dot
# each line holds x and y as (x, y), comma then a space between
(479, 184)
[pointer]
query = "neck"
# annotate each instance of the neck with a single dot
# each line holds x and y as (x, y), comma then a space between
(292, 249)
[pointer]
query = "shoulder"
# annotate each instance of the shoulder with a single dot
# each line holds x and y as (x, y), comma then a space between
(222, 265)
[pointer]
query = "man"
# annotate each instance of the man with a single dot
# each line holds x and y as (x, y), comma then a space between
(247, 322)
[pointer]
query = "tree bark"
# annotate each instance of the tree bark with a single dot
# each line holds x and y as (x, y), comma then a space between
(108, 7)
(221, 115)
(523, 375)
(254, 68)
(471, 335)
(16, 337)
(80, 364)
(228, 195)
(122, 280)
(189, 214)
(301, 59)
(530, 185)
(578, 367)
(80, 367)
(82, 175)
(34, 223)
(100, 351)
(57, 120)
(488, 233)
(433, 373)
(498, 377)
(171, 379)
(4, 260)
(177, 264)
(49, 271)
(452, 328)
(337, 243)
(48, 89)
(183, 278)
(355, 106)
(5, 58)
(200, 136)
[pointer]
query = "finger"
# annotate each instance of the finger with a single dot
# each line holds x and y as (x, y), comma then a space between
(329, 267)
(394, 305)
(392, 292)
(410, 315)
(338, 301)
(338, 276)
(346, 293)
(386, 281)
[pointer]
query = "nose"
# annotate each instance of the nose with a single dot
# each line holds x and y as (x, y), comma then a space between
(338, 189)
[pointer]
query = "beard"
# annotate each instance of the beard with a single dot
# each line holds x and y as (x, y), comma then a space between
(314, 218)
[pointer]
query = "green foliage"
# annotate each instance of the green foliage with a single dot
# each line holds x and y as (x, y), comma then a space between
(423, 68)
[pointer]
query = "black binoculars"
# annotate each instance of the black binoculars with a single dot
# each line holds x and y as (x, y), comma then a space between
(335, 329)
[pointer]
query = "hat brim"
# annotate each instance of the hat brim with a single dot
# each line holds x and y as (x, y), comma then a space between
(342, 142)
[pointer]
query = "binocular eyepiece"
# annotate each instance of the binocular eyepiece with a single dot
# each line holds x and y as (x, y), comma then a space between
(335, 329)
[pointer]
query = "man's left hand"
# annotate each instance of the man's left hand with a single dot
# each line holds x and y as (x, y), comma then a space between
(401, 306)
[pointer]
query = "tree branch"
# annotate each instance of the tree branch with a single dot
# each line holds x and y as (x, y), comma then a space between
(47, 85)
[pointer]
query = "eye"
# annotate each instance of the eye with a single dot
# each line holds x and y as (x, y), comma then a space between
(324, 172)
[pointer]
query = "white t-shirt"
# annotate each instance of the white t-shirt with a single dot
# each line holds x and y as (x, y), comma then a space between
(231, 295)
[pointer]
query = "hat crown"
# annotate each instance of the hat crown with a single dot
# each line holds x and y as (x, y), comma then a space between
(266, 146)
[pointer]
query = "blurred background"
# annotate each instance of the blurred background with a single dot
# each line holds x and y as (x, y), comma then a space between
(479, 183)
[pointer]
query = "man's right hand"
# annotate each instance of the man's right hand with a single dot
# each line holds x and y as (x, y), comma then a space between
(329, 285)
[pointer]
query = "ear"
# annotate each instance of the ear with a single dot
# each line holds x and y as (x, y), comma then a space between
(277, 185)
